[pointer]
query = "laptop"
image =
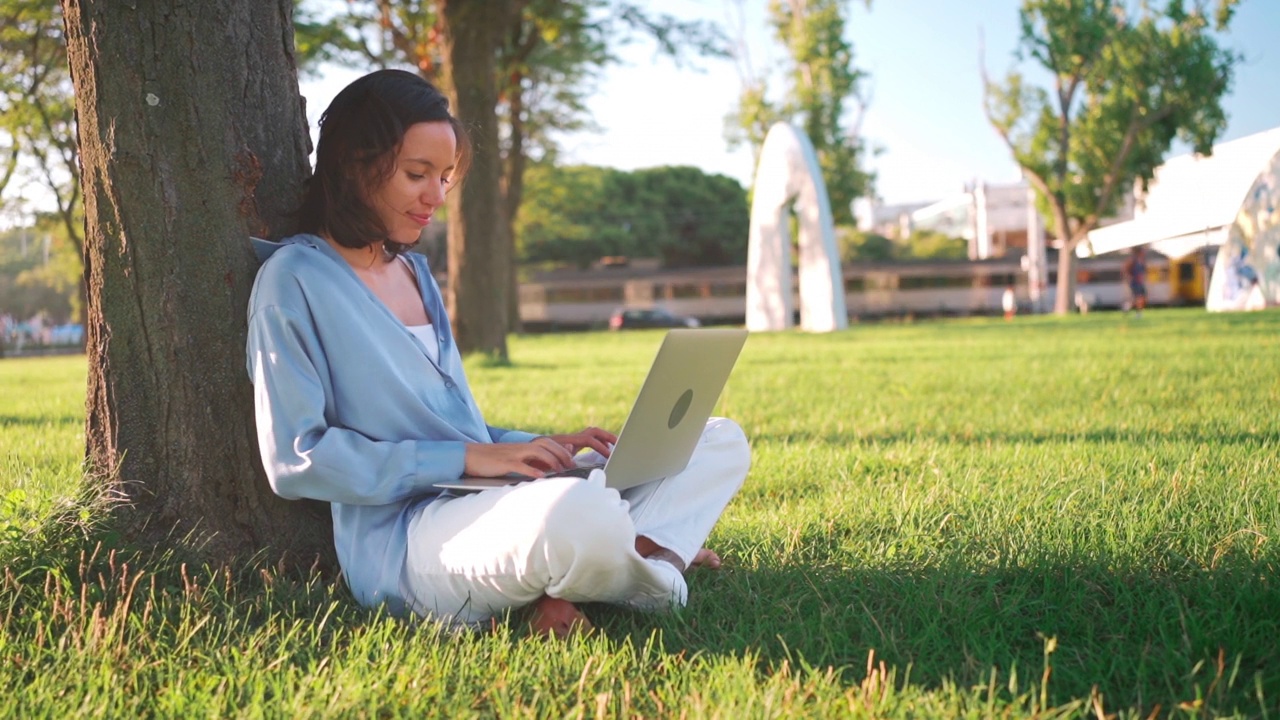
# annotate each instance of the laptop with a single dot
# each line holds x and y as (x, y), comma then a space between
(668, 416)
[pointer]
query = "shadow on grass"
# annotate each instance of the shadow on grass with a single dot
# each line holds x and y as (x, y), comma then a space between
(1142, 638)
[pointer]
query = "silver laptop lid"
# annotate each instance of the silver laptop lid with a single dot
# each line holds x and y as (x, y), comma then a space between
(678, 395)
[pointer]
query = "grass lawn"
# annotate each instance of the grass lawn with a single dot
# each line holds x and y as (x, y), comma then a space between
(1051, 517)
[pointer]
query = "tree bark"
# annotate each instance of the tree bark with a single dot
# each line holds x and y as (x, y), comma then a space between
(513, 193)
(192, 136)
(1066, 287)
(479, 248)
(1066, 291)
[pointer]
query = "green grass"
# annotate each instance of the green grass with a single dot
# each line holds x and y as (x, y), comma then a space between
(969, 518)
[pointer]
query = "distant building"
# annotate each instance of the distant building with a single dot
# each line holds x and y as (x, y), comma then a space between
(995, 218)
(892, 221)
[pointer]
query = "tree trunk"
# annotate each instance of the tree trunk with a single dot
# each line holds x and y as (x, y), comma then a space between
(513, 193)
(479, 249)
(1064, 296)
(1066, 292)
(192, 137)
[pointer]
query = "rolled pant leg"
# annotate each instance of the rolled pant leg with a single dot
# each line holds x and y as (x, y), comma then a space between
(678, 512)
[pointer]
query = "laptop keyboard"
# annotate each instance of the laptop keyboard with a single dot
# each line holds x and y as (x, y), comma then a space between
(578, 472)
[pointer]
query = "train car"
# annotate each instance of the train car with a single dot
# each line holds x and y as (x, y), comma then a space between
(579, 299)
(1189, 279)
(929, 288)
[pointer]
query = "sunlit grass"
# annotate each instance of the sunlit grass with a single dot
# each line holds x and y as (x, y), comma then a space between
(1051, 516)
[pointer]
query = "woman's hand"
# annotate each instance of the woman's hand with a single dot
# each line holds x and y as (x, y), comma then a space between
(535, 458)
(601, 441)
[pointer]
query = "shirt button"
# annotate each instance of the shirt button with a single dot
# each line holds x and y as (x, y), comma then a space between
(449, 385)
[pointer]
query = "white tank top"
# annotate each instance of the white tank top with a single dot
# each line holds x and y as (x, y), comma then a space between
(425, 333)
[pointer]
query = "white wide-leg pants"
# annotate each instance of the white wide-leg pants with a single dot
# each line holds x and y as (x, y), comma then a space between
(472, 557)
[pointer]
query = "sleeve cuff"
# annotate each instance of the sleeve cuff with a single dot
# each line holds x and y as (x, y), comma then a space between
(517, 436)
(441, 461)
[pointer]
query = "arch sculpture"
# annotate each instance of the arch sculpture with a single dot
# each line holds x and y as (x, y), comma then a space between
(788, 171)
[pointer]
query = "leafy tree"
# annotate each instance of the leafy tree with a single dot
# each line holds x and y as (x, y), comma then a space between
(933, 245)
(37, 112)
(679, 214)
(705, 218)
(37, 121)
(1125, 83)
(856, 246)
(40, 272)
(822, 82)
(579, 214)
(548, 58)
(192, 137)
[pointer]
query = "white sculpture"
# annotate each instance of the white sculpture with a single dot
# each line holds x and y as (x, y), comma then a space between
(788, 171)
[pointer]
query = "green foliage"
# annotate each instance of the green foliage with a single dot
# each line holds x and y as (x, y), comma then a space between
(749, 122)
(37, 113)
(32, 282)
(704, 218)
(1055, 517)
(547, 67)
(1126, 84)
(858, 246)
(931, 245)
(343, 39)
(822, 82)
(569, 217)
(369, 34)
(576, 215)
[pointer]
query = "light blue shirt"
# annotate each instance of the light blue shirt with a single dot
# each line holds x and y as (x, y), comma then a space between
(351, 409)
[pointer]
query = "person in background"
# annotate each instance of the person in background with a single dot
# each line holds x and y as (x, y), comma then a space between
(361, 401)
(1009, 301)
(1135, 274)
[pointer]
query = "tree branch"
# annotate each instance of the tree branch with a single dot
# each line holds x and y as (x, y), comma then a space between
(66, 205)
(1136, 125)
(10, 165)
(1036, 179)
(399, 39)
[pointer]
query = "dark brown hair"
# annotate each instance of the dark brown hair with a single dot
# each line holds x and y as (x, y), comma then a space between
(360, 134)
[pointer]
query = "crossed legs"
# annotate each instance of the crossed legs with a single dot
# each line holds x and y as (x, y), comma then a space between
(473, 557)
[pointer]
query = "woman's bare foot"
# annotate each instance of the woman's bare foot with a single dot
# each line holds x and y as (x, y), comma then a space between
(707, 559)
(553, 617)
(648, 548)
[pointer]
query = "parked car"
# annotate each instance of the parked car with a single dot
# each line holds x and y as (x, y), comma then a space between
(631, 318)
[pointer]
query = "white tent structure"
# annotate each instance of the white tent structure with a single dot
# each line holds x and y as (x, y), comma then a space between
(1192, 201)
(1224, 200)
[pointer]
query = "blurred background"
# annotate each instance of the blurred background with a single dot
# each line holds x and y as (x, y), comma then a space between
(631, 131)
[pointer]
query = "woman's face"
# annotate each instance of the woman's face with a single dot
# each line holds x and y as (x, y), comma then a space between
(423, 169)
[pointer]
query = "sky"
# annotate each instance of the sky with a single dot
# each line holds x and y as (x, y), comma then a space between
(925, 113)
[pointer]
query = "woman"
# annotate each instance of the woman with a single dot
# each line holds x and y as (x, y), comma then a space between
(361, 402)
